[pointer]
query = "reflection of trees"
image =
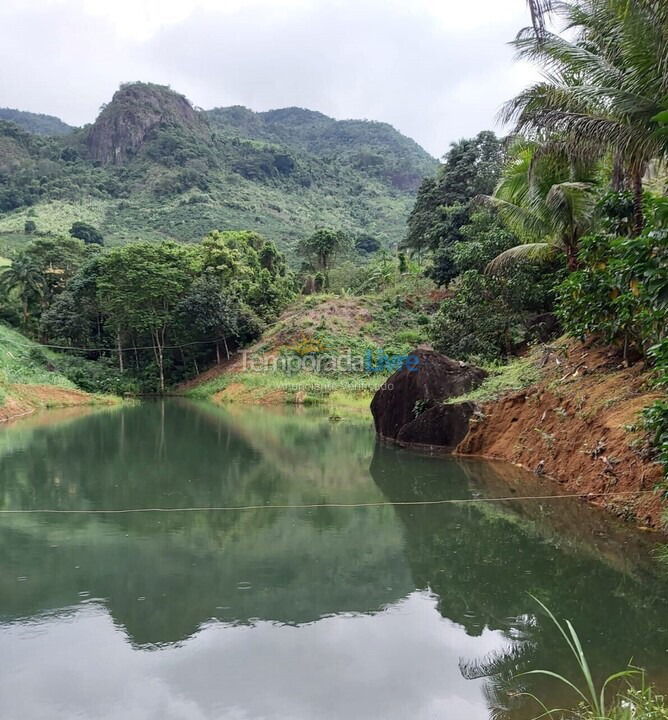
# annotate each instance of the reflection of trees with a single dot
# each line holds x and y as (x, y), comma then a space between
(188, 567)
(483, 560)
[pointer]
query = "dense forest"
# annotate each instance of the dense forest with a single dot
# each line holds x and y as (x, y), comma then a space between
(152, 167)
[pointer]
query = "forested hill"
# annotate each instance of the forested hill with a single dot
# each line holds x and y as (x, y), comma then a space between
(154, 167)
(36, 123)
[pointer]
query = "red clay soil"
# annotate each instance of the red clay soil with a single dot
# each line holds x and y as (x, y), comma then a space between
(580, 426)
(26, 399)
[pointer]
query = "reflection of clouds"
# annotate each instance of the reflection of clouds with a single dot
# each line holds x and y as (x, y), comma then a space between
(400, 663)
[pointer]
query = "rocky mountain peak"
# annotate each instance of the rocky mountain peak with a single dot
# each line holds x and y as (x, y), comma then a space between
(135, 110)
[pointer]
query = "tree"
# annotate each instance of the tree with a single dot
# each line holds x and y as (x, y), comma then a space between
(57, 259)
(24, 279)
(367, 244)
(87, 233)
(322, 247)
(138, 289)
(606, 89)
(29, 227)
(207, 311)
(471, 168)
(545, 201)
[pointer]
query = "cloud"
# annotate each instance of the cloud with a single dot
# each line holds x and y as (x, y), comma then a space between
(437, 70)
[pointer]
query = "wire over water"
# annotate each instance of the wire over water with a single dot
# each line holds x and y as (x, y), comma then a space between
(314, 506)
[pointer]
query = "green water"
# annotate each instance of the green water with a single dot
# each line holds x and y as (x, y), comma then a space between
(390, 611)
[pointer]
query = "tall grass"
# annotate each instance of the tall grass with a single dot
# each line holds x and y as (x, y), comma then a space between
(636, 703)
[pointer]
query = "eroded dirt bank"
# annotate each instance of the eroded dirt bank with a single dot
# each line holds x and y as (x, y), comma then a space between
(580, 426)
(24, 400)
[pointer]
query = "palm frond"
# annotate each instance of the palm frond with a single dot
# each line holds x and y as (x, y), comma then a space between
(533, 252)
(539, 9)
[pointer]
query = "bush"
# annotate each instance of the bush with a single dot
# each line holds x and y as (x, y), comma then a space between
(620, 292)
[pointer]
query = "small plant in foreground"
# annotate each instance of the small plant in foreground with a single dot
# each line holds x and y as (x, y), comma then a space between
(633, 704)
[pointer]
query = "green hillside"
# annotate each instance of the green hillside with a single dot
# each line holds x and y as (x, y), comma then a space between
(153, 167)
(36, 123)
(25, 361)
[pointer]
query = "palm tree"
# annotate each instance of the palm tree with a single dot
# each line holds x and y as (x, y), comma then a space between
(539, 9)
(546, 201)
(606, 90)
(24, 279)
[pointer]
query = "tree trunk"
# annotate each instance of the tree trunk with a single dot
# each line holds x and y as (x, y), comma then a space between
(159, 358)
(120, 351)
(227, 350)
(638, 204)
(618, 179)
(217, 352)
(572, 262)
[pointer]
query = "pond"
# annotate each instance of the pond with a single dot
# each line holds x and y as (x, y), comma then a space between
(300, 573)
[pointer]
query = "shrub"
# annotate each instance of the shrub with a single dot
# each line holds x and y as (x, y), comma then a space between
(620, 292)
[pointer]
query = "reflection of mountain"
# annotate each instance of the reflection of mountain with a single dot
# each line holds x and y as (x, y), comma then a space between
(162, 575)
(484, 560)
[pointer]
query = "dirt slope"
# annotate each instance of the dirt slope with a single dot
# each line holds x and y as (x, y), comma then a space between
(581, 426)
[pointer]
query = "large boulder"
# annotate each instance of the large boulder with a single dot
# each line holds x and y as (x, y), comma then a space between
(405, 394)
(442, 426)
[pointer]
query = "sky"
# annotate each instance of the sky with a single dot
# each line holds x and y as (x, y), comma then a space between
(437, 70)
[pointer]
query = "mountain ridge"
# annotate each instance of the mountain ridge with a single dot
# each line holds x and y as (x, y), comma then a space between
(152, 165)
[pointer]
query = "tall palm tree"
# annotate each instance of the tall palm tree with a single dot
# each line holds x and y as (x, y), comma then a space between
(606, 89)
(546, 201)
(539, 9)
(25, 280)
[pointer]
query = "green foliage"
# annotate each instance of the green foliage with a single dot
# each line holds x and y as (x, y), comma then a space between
(471, 168)
(367, 244)
(620, 292)
(24, 361)
(604, 88)
(593, 701)
(35, 123)
(87, 233)
(196, 171)
(546, 200)
(323, 246)
(29, 227)
(155, 309)
(492, 316)
(515, 375)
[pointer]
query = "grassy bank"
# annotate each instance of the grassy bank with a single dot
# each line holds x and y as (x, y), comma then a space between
(29, 381)
(314, 328)
(352, 394)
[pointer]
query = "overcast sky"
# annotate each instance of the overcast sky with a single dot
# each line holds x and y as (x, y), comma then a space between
(437, 70)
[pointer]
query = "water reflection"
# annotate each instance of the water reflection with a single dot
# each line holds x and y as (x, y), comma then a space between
(390, 611)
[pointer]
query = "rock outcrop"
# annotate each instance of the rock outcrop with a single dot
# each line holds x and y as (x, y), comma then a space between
(408, 408)
(443, 426)
(134, 111)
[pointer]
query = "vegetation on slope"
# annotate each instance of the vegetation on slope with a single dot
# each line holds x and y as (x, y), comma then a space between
(151, 167)
(35, 123)
(29, 379)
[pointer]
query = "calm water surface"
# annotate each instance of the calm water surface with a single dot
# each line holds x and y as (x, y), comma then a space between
(389, 612)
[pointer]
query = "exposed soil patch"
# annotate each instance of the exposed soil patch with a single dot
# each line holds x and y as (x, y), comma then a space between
(23, 400)
(237, 392)
(581, 426)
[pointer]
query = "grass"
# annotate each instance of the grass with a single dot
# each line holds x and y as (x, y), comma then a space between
(351, 390)
(593, 701)
(24, 362)
(516, 375)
